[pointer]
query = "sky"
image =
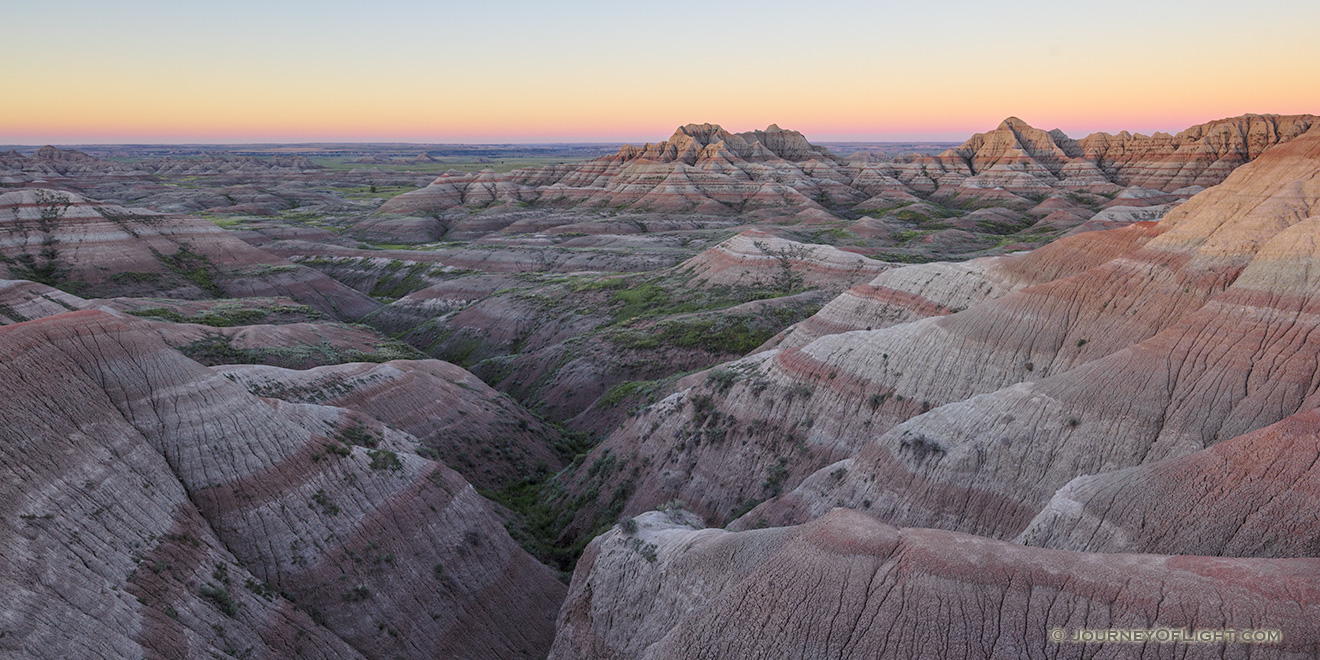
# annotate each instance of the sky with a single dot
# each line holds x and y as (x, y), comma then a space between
(151, 71)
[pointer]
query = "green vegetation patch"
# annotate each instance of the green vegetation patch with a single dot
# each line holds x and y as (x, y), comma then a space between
(625, 390)
(882, 210)
(401, 281)
(384, 459)
(370, 191)
(738, 335)
(641, 393)
(905, 258)
(224, 223)
(544, 510)
(927, 214)
(579, 285)
(732, 334)
(644, 300)
(1003, 229)
(193, 267)
(903, 236)
(131, 277)
(228, 315)
(216, 348)
(1085, 200)
(668, 297)
(221, 598)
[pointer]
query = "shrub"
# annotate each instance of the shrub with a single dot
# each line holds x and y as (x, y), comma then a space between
(615, 395)
(384, 459)
(723, 379)
(628, 525)
(221, 598)
(259, 588)
(327, 505)
(647, 550)
(775, 476)
(358, 434)
(921, 446)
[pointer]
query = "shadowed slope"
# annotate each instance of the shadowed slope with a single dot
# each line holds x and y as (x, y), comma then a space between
(395, 554)
(480, 432)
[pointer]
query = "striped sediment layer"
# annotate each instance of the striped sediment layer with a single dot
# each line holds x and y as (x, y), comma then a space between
(157, 508)
(103, 250)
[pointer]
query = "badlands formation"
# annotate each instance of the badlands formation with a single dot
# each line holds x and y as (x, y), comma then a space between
(729, 395)
(1008, 180)
(1145, 419)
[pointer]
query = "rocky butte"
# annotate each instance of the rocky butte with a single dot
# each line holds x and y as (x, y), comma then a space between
(692, 399)
(1012, 174)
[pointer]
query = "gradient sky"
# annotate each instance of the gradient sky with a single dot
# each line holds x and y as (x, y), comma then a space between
(92, 71)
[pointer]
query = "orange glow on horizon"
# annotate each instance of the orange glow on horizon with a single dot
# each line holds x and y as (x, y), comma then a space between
(275, 72)
(259, 114)
(273, 128)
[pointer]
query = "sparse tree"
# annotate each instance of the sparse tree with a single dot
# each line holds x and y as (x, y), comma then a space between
(786, 280)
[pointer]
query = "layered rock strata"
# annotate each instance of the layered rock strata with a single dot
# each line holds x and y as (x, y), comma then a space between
(178, 514)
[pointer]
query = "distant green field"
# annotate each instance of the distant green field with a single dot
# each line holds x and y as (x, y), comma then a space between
(446, 164)
(220, 221)
(366, 192)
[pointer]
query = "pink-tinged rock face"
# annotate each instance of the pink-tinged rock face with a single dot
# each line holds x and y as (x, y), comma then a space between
(989, 463)
(174, 508)
(1252, 496)
(848, 586)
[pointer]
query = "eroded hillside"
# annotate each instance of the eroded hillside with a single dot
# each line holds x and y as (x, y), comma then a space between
(939, 403)
(1131, 444)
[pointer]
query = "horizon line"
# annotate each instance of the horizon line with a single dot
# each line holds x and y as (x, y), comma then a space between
(611, 143)
(915, 135)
